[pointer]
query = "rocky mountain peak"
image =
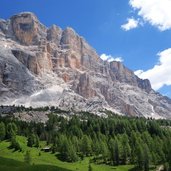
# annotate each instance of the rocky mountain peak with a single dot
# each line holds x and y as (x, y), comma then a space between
(27, 29)
(54, 34)
(42, 66)
(123, 74)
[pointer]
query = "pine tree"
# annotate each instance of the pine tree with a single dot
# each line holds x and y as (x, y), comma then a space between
(86, 145)
(72, 153)
(104, 150)
(2, 131)
(139, 157)
(125, 149)
(146, 158)
(15, 144)
(59, 141)
(31, 140)
(96, 147)
(169, 157)
(114, 151)
(36, 141)
(133, 144)
(75, 143)
(67, 151)
(154, 158)
(11, 130)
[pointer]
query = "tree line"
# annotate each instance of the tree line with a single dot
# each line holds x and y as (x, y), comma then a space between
(113, 140)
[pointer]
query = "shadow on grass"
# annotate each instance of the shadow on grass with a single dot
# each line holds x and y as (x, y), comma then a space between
(134, 169)
(14, 165)
(137, 169)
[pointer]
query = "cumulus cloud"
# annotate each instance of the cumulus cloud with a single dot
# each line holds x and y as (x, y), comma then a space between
(131, 24)
(155, 12)
(159, 75)
(138, 72)
(110, 58)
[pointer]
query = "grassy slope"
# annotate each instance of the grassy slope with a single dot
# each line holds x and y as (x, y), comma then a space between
(14, 160)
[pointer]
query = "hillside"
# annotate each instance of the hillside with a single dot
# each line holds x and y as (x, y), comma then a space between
(9, 161)
(82, 141)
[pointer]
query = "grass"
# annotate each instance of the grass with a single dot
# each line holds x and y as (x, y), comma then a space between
(14, 160)
(110, 168)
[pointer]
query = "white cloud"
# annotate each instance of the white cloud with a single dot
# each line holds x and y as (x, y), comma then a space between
(138, 72)
(110, 58)
(160, 74)
(155, 12)
(131, 24)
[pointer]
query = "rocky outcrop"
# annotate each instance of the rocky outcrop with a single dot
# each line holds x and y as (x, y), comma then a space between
(27, 29)
(49, 66)
(122, 74)
(54, 34)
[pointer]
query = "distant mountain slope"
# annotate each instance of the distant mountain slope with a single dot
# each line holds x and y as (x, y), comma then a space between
(42, 66)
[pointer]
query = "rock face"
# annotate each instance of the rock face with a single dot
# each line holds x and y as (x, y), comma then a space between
(27, 29)
(42, 66)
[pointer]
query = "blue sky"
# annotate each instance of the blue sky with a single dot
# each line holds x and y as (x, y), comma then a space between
(136, 31)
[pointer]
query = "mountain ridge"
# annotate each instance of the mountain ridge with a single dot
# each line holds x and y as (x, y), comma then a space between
(42, 66)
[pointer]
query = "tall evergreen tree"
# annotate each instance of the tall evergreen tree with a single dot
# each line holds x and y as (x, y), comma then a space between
(72, 153)
(146, 158)
(96, 147)
(114, 151)
(125, 149)
(36, 141)
(11, 130)
(15, 144)
(2, 131)
(104, 150)
(31, 140)
(86, 145)
(67, 151)
(64, 150)
(139, 157)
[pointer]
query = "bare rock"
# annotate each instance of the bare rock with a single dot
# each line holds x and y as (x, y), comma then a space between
(42, 66)
(27, 29)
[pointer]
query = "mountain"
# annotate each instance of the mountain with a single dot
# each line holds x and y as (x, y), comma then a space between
(42, 66)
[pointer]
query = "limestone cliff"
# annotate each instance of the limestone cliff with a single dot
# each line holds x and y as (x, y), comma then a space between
(49, 66)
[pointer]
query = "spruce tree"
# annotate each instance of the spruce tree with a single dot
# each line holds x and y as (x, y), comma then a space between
(146, 158)
(72, 153)
(67, 151)
(2, 131)
(36, 141)
(116, 152)
(139, 157)
(31, 140)
(104, 150)
(86, 145)
(15, 144)
(96, 147)
(125, 149)
(11, 130)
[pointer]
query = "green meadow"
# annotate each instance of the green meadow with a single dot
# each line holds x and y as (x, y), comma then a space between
(11, 160)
